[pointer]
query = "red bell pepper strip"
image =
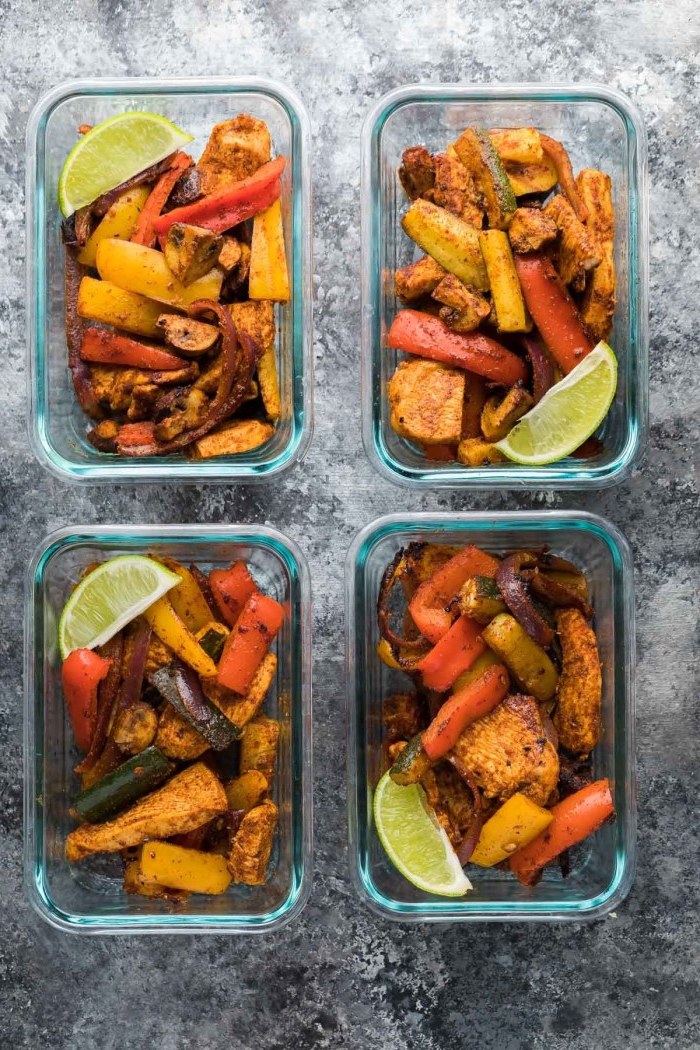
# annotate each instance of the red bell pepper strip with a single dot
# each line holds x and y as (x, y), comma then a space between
(553, 310)
(110, 348)
(231, 588)
(221, 211)
(135, 439)
(248, 642)
(81, 673)
(428, 606)
(145, 232)
(440, 453)
(575, 817)
(463, 708)
(428, 336)
(454, 653)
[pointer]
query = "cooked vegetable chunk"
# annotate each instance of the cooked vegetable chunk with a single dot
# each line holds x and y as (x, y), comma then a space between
(521, 145)
(451, 241)
(530, 229)
(187, 801)
(177, 738)
(252, 845)
(259, 746)
(426, 402)
(500, 414)
(269, 383)
(119, 220)
(511, 315)
(230, 439)
(191, 251)
(531, 178)
(508, 751)
(246, 791)
(268, 277)
(517, 822)
(135, 728)
(525, 659)
(165, 864)
(477, 153)
(579, 692)
(255, 321)
(235, 150)
(241, 709)
(144, 271)
(418, 279)
(104, 301)
(475, 452)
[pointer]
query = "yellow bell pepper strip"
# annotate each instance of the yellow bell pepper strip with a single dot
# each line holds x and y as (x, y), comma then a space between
(463, 708)
(105, 302)
(268, 278)
(187, 598)
(120, 221)
(221, 211)
(167, 625)
(517, 822)
(192, 870)
(136, 268)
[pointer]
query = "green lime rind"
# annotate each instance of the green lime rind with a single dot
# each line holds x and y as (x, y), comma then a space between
(415, 843)
(112, 152)
(569, 413)
(109, 597)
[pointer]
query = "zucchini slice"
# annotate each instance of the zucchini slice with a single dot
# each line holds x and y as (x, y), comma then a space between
(134, 778)
(449, 240)
(212, 637)
(180, 686)
(481, 599)
(412, 762)
(511, 314)
(478, 153)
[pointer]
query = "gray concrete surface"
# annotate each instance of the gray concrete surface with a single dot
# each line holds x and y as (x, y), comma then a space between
(339, 977)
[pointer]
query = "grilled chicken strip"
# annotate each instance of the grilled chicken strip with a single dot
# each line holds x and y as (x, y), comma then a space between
(508, 751)
(190, 799)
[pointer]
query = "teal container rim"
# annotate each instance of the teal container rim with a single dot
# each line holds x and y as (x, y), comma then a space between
(512, 476)
(359, 807)
(295, 562)
(153, 468)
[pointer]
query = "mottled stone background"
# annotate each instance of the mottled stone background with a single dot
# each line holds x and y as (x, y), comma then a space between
(338, 977)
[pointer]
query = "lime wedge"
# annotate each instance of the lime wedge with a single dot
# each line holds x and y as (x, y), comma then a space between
(112, 152)
(414, 841)
(108, 598)
(568, 413)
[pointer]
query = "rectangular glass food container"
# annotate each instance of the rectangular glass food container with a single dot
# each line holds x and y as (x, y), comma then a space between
(88, 897)
(600, 128)
(603, 867)
(57, 424)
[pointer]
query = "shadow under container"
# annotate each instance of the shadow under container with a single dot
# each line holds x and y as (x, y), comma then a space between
(600, 128)
(57, 424)
(88, 897)
(602, 867)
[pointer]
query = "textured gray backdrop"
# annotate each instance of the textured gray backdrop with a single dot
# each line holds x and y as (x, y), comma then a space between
(339, 977)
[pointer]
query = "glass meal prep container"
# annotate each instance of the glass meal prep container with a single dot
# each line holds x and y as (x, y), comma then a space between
(602, 868)
(57, 424)
(600, 128)
(88, 897)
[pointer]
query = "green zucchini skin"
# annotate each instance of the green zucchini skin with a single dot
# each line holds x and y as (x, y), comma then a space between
(213, 643)
(180, 686)
(412, 763)
(125, 785)
(502, 189)
(481, 599)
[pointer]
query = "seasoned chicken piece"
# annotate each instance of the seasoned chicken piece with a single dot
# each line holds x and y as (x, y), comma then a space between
(418, 279)
(241, 709)
(235, 150)
(255, 320)
(158, 655)
(252, 844)
(232, 438)
(114, 386)
(475, 452)
(463, 309)
(579, 692)
(417, 172)
(259, 746)
(454, 188)
(451, 800)
(189, 800)
(403, 715)
(530, 229)
(598, 303)
(176, 738)
(143, 399)
(426, 402)
(508, 751)
(578, 250)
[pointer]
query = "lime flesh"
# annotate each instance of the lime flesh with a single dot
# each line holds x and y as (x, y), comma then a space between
(568, 413)
(108, 598)
(112, 152)
(414, 841)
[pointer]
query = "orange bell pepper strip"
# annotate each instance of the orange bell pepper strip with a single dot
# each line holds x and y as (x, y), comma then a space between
(231, 588)
(221, 211)
(427, 336)
(575, 818)
(110, 348)
(464, 707)
(145, 232)
(428, 605)
(553, 310)
(81, 673)
(454, 653)
(248, 642)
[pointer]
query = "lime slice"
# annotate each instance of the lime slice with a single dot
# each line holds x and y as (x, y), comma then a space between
(108, 598)
(114, 151)
(414, 841)
(568, 413)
